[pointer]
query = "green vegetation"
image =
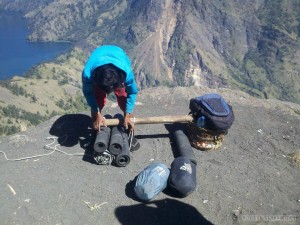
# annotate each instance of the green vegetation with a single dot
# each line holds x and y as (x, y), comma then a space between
(297, 112)
(8, 130)
(271, 66)
(14, 112)
(72, 106)
(180, 50)
(150, 81)
(18, 90)
(14, 88)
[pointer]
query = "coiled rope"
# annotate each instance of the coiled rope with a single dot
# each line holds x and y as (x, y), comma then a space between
(47, 147)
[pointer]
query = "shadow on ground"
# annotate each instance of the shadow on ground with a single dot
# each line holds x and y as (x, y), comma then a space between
(73, 129)
(163, 212)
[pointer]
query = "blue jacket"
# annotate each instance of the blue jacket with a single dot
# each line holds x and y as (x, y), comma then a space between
(103, 55)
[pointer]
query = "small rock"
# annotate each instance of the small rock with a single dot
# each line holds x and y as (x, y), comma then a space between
(205, 201)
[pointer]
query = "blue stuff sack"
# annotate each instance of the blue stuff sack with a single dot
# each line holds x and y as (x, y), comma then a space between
(151, 181)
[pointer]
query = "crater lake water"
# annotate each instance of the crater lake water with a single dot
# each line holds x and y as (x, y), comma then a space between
(17, 55)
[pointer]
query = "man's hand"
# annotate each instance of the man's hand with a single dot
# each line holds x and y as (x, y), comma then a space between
(97, 120)
(128, 124)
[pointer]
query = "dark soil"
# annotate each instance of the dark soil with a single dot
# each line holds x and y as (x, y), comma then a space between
(249, 180)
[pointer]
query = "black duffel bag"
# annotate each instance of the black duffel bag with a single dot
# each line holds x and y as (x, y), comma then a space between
(182, 180)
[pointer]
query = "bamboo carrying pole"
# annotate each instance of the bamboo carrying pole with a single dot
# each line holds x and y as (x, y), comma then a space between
(152, 120)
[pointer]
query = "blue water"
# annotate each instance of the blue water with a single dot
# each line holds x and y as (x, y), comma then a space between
(17, 55)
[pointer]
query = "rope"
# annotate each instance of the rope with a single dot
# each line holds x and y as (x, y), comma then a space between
(104, 158)
(131, 134)
(130, 137)
(47, 147)
(30, 157)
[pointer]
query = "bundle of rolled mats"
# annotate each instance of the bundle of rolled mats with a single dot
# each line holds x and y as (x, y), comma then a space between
(113, 145)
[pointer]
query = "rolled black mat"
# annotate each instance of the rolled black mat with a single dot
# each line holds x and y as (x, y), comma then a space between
(123, 159)
(102, 139)
(116, 140)
(184, 147)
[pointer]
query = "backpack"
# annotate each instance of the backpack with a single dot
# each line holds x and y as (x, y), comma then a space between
(217, 112)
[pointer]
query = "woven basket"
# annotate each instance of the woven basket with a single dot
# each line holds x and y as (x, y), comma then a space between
(203, 139)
